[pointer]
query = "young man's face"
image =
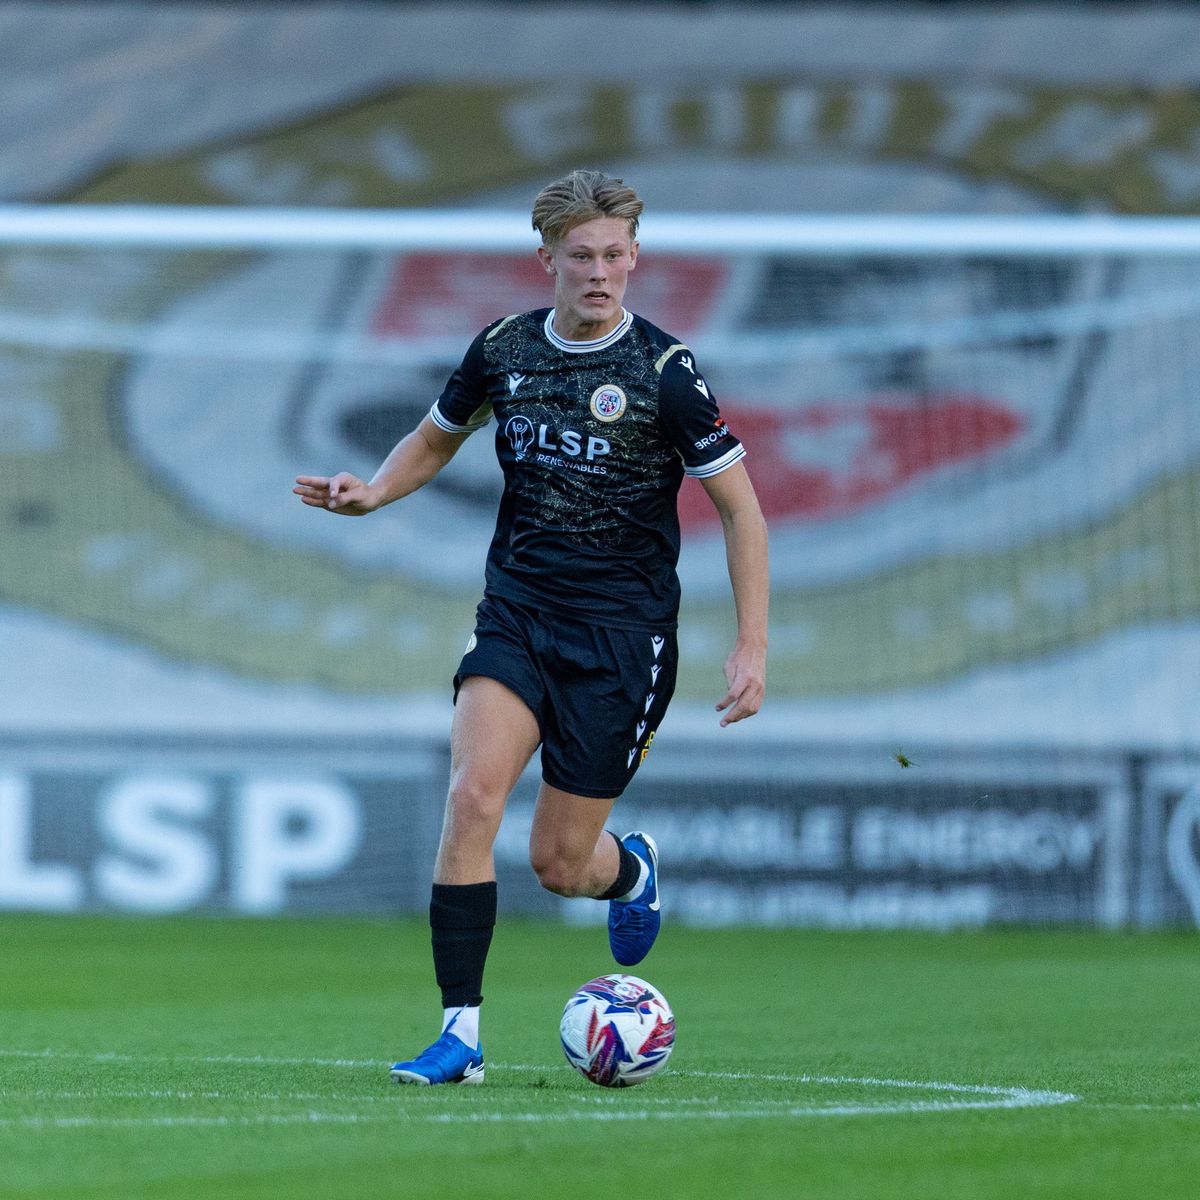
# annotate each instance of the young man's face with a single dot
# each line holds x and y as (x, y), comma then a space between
(590, 266)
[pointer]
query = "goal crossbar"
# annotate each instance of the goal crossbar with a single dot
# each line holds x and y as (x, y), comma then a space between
(503, 230)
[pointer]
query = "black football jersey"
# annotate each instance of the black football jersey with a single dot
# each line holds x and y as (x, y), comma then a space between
(594, 439)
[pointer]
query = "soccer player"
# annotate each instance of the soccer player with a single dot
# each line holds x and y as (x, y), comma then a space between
(599, 416)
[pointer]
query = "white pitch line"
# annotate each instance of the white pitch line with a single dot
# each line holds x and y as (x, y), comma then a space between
(982, 1089)
(237, 1060)
(747, 1076)
(1019, 1096)
(784, 1110)
(220, 1122)
(160, 1094)
(969, 1096)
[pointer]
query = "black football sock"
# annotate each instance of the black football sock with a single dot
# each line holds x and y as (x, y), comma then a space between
(629, 868)
(461, 918)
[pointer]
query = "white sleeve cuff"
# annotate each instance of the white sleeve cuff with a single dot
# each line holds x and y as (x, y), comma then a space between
(479, 418)
(736, 454)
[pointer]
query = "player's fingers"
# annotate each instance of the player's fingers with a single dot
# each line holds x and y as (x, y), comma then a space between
(742, 703)
(312, 489)
(735, 710)
(344, 488)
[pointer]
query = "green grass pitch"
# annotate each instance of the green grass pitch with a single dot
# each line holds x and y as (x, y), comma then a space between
(207, 1058)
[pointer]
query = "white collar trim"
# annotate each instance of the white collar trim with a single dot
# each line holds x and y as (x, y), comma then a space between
(613, 335)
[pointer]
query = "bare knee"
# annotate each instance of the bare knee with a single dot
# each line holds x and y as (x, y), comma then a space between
(559, 874)
(472, 807)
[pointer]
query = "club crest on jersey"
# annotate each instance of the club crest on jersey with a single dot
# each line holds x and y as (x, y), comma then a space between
(608, 403)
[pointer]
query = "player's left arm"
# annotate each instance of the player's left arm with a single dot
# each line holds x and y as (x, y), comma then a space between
(746, 553)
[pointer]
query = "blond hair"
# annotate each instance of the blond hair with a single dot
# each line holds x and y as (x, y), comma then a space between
(583, 196)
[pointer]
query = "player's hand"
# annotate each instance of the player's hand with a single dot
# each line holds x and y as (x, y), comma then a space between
(343, 493)
(746, 674)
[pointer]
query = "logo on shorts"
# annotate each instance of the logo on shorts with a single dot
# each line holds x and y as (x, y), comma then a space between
(608, 403)
(639, 751)
(519, 432)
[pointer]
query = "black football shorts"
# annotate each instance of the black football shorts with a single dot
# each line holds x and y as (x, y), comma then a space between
(598, 693)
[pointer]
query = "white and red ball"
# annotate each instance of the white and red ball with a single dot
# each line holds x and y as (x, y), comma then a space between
(617, 1030)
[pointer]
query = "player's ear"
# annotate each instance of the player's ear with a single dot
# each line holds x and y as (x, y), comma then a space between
(546, 259)
(633, 251)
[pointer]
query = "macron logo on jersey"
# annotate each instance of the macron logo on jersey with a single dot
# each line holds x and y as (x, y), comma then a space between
(515, 379)
(689, 364)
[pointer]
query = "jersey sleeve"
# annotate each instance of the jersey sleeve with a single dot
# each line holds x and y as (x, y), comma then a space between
(463, 406)
(688, 412)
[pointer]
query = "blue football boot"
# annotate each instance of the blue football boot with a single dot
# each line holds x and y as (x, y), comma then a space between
(448, 1060)
(633, 924)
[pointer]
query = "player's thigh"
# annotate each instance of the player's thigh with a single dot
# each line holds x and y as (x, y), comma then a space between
(493, 736)
(566, 827)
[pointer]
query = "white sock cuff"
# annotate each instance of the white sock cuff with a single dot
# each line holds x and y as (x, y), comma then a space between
(639, 887)
(465, 1023)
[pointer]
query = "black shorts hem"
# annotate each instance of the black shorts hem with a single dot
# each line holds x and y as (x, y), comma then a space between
(586, 793)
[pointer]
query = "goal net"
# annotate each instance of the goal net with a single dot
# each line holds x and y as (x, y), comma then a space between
(975, 441)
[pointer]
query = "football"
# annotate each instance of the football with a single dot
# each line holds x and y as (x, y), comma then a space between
(617, 1030)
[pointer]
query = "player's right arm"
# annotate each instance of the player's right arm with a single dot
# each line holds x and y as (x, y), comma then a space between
(413, 462)
(462, 408)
